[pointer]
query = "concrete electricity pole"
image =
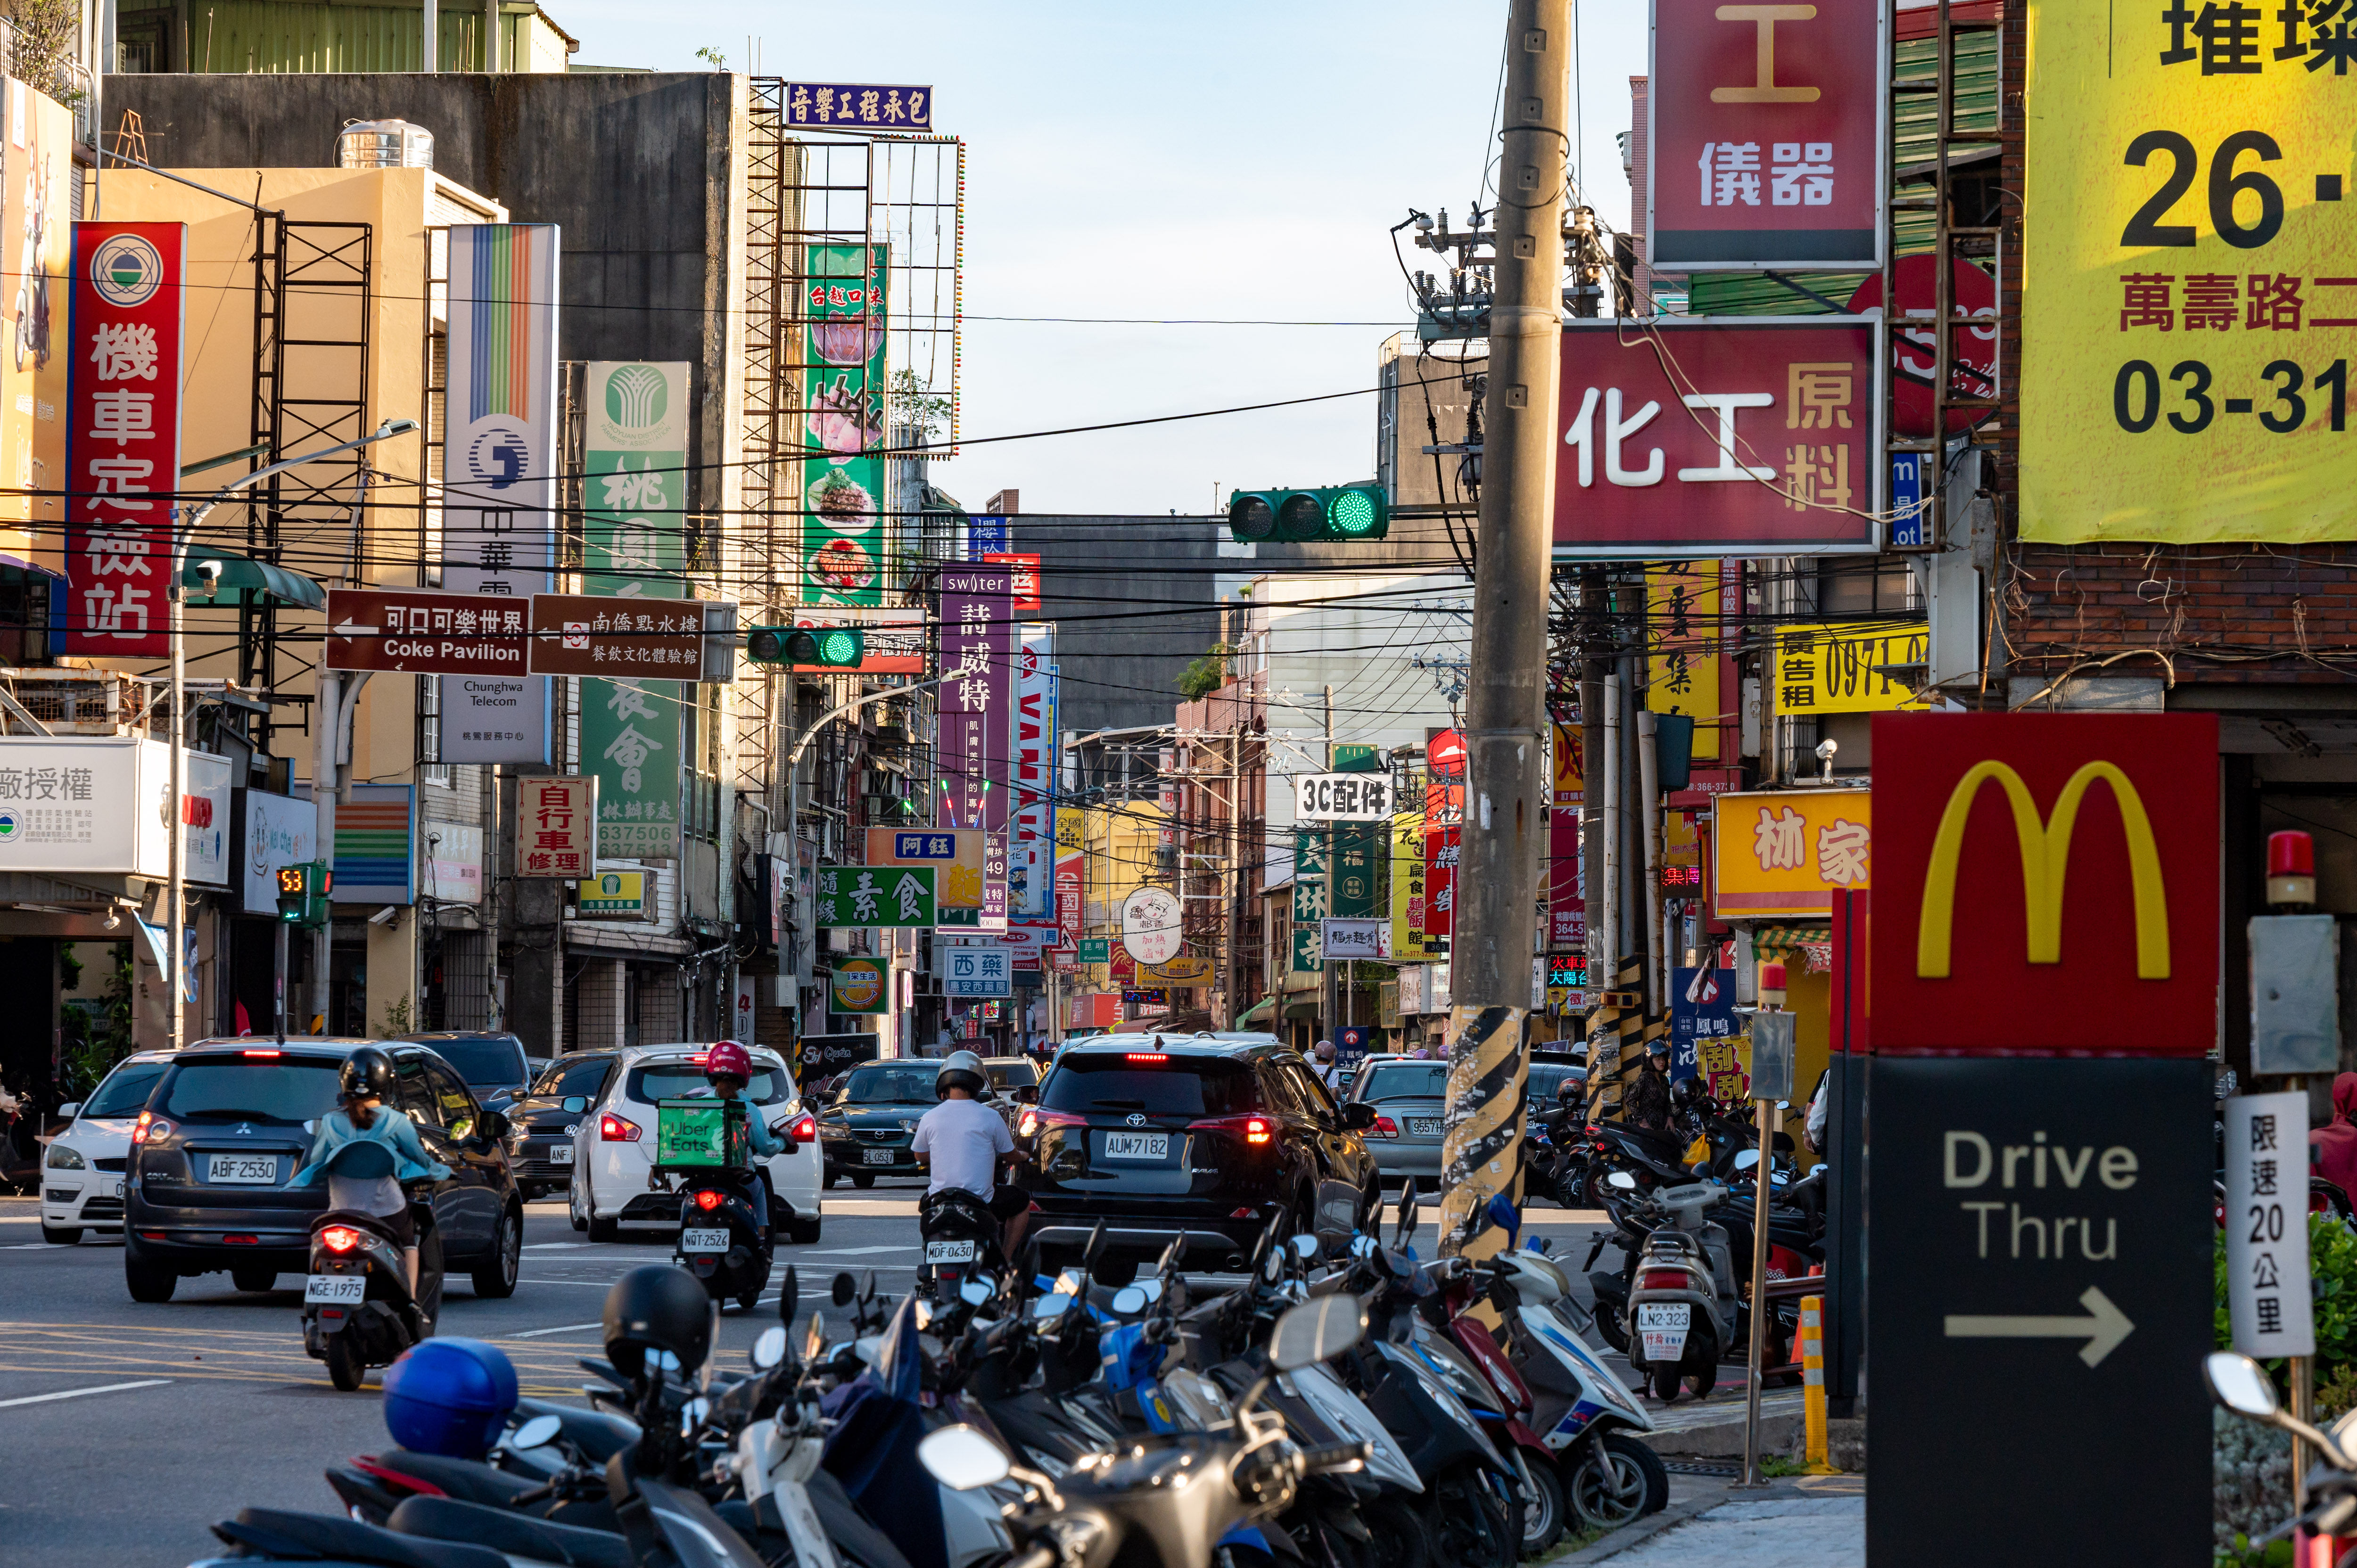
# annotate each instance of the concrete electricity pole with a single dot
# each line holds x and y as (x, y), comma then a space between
(1506, 716)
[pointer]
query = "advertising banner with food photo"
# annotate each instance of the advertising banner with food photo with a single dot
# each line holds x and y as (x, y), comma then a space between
(843, 420)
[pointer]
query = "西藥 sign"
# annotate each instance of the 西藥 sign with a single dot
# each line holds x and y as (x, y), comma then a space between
(976, 972)
(1993, 826)
(122, 430)
(2188, 301)
(1766, 128)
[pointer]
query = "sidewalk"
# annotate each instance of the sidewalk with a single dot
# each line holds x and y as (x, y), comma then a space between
(1809, 1521)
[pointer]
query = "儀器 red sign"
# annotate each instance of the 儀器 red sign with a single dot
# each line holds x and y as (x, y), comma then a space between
(1701, 437)
(122, 435)
(425, 632)
(1765, 135)
(2045, 883)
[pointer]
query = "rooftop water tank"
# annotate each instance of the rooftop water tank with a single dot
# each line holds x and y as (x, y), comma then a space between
(384, 143)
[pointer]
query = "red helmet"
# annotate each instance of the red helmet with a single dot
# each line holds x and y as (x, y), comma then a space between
(729, 1057)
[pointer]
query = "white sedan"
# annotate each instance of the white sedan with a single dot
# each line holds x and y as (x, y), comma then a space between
(82, 1168)
(613, 1146)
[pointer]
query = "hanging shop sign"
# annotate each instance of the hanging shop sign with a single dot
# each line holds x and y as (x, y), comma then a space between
(1071, 877)
(977, 641)
(857, 106)
(634, 481)
(1353, 939)
(451, 863)
(1031, 850)
(1357, 882)
(1441, 851)
(1972, 351)
(556, 828)
(271, 830)
(1025, 569)
(859, 985)
(1766, 124)
(1995, 824)
(1830, 668)
(976, 972)
(630, 734)
(103, 805)
(2189, 295)
(1187, 968)
(615, 895)
(954, 853)
(1407, 889)
(842, 391)
(1342, 798)
(1150, 925)
(122, 424)
(1693, 437)
(35, 379)
(1783, 854)
(1682, 647)
(875, 896)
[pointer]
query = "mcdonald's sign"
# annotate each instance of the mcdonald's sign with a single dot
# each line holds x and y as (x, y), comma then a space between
(2045, 883)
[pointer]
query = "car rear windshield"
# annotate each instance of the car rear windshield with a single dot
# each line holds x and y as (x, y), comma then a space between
(1011, 1075)
(1389, 1080)
(289, 1089)
(889, 1085)
(1090, 1082)
(125, 1090)
(677, 1080)
(585, 1078)
(484, 1064)
(1546, 1077)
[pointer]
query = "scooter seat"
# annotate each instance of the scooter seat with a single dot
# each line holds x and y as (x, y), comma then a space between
(504, 1529)
(277, 1533)
(468, 1480)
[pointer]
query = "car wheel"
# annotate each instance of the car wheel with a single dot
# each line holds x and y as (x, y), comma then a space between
(575, 1209)
(863, 1180)
(604, 1231)
(254, 1281)
(61, 1235)
(344, 1368)
(826, 1180)
(802, 1232)
(495, 1275)
(147, 1282)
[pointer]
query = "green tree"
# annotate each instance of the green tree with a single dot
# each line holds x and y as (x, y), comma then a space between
(1206, 675)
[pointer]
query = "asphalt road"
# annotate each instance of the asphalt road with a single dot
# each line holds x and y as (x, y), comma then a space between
(125, 1430)
(177, 1415)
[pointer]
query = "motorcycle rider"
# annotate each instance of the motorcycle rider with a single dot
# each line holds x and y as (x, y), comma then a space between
(1646, 1101)
(1328, 1072)
(973, 1144)
(365, 1080)
(729, 1069)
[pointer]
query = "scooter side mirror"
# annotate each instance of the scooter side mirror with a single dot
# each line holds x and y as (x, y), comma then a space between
(1746, 1159)
(537, 1433)
(962, 1458)
(2241, 1385)
(1623, 1180)
(1305, 1246)
(1128, 1299)
(1407, 1215)
(790, 1296)
(843, 1288)
(769, 1349)
(974, 1292)
(1317, 1330)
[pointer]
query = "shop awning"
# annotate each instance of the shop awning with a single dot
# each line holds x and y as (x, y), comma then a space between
(1813, 945)
(211, 574)
(1257, 1011)
(1301, 1009)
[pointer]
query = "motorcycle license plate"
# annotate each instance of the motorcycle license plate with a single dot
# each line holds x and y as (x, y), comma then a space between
(343, 1289)
(1423, 1126)
(241, 1170)
(1136, 1146)
(693, 1241)
(561, 1154)
(1664, 1327)
(876, 1157)
(949, 1251)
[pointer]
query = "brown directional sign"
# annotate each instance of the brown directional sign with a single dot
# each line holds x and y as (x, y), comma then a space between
(584, 634)
(425, 632)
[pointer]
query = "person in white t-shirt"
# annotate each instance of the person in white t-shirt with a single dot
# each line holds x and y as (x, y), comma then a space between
(962, 1143)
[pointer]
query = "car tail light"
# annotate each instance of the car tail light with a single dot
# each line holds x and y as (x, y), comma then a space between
(1147, 1057)
(241, 1240)
(1033, 1120)
(151, 1235)
(699, 1058)
(707, 1202)
(1251, 1129)
(803, 1129)
(340, 1237)
(1664, 1279)
(263, 1053)
(150, 1126)
(2319, 1204)
(616, 1129)
(1384, 1127)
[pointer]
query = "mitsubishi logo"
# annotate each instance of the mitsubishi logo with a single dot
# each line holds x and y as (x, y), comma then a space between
(1137, 1118)
(245, 1130)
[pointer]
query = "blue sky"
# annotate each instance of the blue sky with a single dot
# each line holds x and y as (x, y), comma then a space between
(1219, 158)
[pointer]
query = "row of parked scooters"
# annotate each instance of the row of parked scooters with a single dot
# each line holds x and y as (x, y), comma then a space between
(1365, 1410)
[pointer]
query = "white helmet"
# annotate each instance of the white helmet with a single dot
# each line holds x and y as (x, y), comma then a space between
(960, 1069)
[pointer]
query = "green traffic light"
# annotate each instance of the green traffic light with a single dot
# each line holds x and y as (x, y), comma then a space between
(839, 647)
(1352, 514)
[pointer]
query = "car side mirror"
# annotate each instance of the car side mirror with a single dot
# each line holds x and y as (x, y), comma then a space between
(494, 1126)
(575, 1104)
(68, 1110)
(1358, 1115)
(1027, 1095)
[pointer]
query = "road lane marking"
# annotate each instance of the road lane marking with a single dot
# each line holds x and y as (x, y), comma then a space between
(850, 1251)
(552, 1246)
(77, 1393)
(536, 1333)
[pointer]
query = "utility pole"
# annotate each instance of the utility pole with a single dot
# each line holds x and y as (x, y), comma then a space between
(1333, 1009)
(1505, 728)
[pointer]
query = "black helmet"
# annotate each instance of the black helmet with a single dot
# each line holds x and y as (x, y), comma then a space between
(367, 1071)
(658, 1308)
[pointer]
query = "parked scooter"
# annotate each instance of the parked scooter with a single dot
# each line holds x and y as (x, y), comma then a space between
(721, 1240)
(357, 1309)
(1684, 1314)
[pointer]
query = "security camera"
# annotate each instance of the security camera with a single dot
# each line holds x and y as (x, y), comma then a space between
(1826, 749)
(386, 916)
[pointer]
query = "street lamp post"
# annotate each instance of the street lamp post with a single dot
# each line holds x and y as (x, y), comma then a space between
(176, 875)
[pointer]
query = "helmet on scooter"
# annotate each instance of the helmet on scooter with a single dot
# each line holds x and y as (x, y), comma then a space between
(367, 1071)
(658, 1308)
(449, 1396)
(728, 1059)
(959, 1069)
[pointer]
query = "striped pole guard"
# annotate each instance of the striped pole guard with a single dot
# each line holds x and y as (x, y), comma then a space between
(1812, 1380)
(1481, 1146)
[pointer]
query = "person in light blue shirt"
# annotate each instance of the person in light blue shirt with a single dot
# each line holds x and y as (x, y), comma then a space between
(351, 1149)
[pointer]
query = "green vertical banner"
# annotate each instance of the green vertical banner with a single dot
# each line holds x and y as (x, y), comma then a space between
(634, 487)
(1357, 863)
(1308, 899)
(631, 740)
(843, 424)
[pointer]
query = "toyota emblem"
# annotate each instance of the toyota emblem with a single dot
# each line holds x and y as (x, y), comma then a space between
(1137, 1118)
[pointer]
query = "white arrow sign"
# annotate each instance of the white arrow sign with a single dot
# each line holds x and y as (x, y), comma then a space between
(2103, 1330)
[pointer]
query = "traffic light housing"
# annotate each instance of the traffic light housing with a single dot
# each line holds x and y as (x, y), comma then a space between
(1339, 514)
(303, 890)
(826, 647)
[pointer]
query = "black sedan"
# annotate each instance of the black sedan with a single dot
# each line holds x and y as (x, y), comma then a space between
(866, 1130)
(540, 1124)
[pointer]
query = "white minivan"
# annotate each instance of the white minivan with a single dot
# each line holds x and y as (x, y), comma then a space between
(82, 1168)
(613, 1147)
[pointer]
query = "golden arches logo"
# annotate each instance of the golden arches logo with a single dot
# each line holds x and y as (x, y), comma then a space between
(2045, 845)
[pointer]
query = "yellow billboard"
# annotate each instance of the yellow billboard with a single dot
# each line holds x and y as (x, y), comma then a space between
(1822, 668)
(1407, 889)
(1783, 854)
(2187, 302)
(1682, 647)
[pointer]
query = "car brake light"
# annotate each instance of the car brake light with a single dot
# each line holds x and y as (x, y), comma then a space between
(1257, 1130)
(803, 1129)
(243, 1240)
(1384, 1127)
(616, 1129)
(1251, 1129)
(707, 1202)
(1147, 1057)
(150, 1126)
(264, 1053)
(340, 1237)
(699, 1058)
(1664, 1279)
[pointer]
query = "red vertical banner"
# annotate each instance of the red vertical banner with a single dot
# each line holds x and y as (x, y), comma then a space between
(122, 435)
(1440, 881)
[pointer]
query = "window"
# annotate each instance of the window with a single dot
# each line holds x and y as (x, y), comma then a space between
(125, 1091)
(1184, 1086)
(457, 1106)
(1391, 1080)
(682, 1080)
(412, 1093)
(560, 1080)
(281, 1089)
(1312, 1092)
(485, 1061)
(431, 769)
(890, 1086)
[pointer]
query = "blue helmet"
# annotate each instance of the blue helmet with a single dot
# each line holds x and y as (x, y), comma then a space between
(450, 1397)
